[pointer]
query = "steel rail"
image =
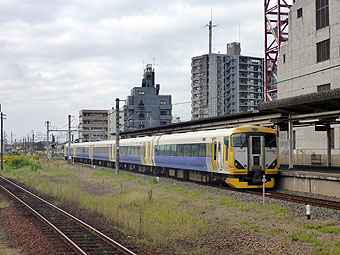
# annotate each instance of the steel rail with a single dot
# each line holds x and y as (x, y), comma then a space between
(325, 203)
(102, 236)
(44, 220)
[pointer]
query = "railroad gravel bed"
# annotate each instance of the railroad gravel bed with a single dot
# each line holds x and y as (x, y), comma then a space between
(317, 212)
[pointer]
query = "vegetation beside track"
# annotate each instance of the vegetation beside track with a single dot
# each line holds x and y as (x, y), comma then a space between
(166, 214)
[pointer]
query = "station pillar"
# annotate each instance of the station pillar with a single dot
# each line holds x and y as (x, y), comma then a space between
(277, 129)
(329, 148)
(291, 145)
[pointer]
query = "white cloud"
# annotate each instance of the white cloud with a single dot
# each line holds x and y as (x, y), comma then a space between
(60, 56)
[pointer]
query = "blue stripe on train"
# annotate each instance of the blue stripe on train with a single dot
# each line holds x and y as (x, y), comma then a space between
(192, 163)
(99, 156)
(82, 155)
(133, 159)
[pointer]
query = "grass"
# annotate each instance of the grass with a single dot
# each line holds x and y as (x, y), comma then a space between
(4, 204)
(163, 214)
(8, 251)
(146, 213)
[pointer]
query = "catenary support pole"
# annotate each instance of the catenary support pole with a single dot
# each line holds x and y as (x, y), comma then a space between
(47, 142)
(117, 136)
(2, 141)
(69, 138)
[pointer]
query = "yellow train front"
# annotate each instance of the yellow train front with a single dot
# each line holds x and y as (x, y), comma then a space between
(251, 153)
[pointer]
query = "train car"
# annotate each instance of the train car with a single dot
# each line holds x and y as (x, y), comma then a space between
(238, 156)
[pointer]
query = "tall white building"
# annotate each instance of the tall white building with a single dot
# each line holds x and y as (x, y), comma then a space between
(309, 62)
(225, 84)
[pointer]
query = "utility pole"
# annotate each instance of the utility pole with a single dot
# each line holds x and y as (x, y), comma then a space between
(117, 136)
(48, 134)
(32, 143)
(2, 140)
(210, 25)
(69, 138)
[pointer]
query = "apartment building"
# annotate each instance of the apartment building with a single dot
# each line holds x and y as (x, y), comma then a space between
(93, 125)
(225, 84)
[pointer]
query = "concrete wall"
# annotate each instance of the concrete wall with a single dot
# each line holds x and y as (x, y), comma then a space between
(328, 186)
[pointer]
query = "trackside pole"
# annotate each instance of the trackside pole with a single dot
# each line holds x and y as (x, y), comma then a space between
(264, 188)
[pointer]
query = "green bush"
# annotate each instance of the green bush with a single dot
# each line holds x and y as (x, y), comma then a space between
(19, 162)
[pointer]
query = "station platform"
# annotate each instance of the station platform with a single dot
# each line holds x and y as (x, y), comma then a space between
(320, 180)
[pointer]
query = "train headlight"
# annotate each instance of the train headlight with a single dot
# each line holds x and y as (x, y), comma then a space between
(238, 165)
(273, 165)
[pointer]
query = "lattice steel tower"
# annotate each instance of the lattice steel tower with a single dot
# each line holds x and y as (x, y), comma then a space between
(276, 32)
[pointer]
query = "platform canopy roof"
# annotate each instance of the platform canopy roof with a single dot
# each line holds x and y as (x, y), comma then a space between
(320, 107)
(323, 101)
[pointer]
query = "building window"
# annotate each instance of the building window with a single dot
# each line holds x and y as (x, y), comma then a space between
(324, 87)
(322, 14)
(164, 112)
(299, 13)
(141, 116)
(323, 51)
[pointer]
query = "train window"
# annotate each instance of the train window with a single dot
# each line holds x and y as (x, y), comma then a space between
(162, 150)
(202, 152)
(239, 140)
(167, 150)
(187, 150)
(226, 141)
(270, 140)
(195, 150)
(180, 150)
(219, 147)
(173, 150)
(256, 144)
(156, 150)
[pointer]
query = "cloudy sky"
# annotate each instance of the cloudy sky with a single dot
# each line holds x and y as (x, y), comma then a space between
(60, 56)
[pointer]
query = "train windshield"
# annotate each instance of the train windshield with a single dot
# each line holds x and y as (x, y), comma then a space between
(270, 140)
(239, 140)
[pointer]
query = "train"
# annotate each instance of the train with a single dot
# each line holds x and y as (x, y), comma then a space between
(239, 156)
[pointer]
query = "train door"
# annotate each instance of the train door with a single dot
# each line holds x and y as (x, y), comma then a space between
(144, 153)
(214, 153)
(91, 152)
(256, 152)
(220, 153)
(113, 152)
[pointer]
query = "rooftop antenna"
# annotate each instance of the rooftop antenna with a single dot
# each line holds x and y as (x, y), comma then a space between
(210, 25)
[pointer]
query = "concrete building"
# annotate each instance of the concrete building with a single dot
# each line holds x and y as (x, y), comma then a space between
(93, 125)
(309, 60)
(224, 84)
(308, 63)
(112, 123)
(145, 107)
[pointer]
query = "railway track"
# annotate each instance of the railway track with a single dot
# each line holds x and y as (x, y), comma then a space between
(325, 203)
(81, 237)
